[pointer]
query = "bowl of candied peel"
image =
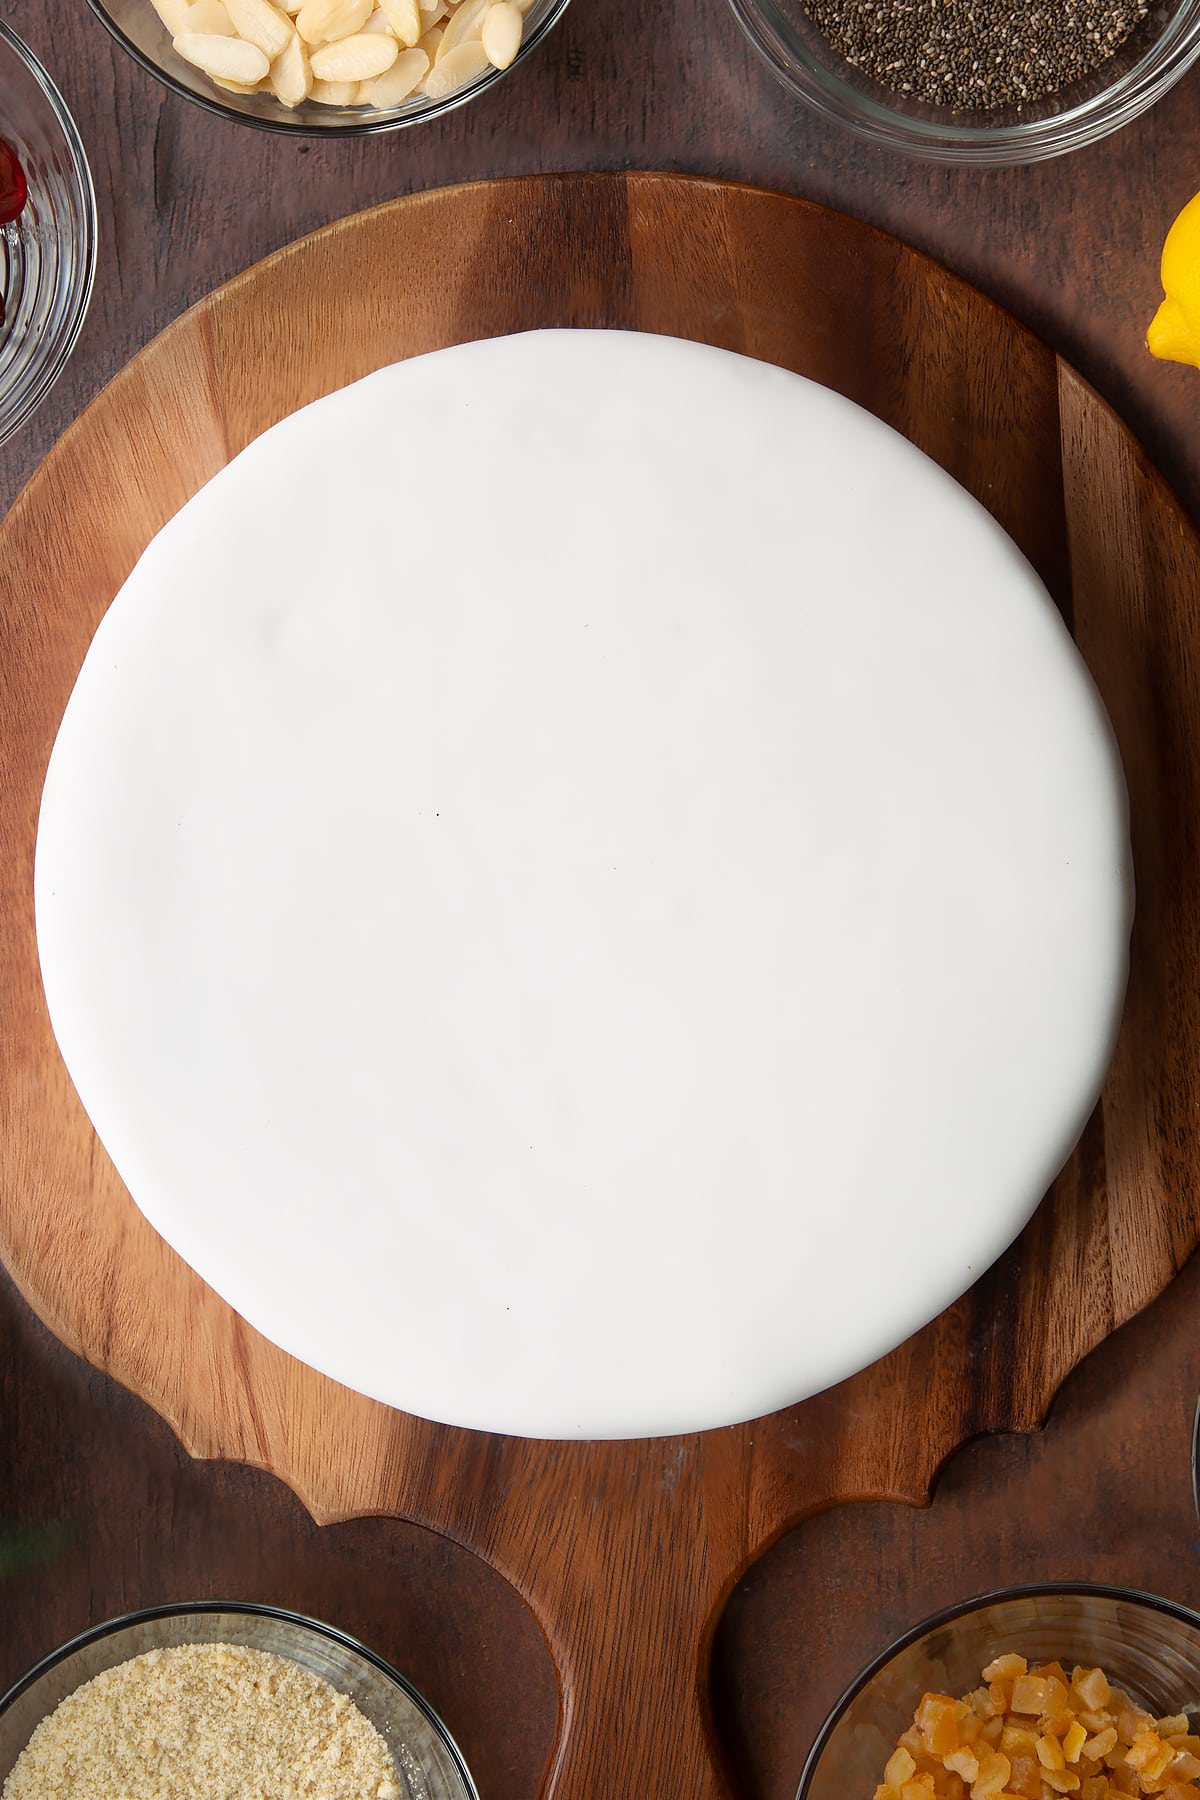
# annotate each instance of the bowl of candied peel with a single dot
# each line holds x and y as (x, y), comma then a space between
(315, 67)
(1030, 1694)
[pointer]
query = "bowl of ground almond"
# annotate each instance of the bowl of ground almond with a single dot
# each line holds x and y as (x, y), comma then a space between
(1032, 1694)
(244, 1702)
(984, 82)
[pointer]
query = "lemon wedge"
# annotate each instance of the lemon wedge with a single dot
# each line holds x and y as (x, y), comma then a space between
(1174, 332)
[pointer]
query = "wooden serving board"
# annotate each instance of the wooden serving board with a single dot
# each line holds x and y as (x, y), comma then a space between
(626, 1551)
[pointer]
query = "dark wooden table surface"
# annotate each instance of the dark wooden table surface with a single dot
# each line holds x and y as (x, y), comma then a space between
(100, 1511)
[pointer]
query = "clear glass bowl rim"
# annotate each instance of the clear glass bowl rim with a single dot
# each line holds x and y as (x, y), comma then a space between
(348, 124)
(250, 1609)
(1165, 61)
(89, 226)
(1033, 1590)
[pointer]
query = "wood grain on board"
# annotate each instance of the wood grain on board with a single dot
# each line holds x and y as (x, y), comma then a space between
(627, 1551)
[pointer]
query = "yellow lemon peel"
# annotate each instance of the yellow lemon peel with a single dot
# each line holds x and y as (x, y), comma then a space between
(1174, 333)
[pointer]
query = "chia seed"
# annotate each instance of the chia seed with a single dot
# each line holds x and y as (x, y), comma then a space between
(977, 55)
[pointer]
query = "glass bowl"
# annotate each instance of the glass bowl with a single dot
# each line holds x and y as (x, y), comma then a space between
(48, 254)
(1162, 47)
(139, 30)
(1149, 1647)
(429, 1764)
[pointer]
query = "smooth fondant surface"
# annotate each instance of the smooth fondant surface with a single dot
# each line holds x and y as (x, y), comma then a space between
(584, 886)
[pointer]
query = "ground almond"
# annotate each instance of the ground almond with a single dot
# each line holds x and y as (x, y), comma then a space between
(202, 1720)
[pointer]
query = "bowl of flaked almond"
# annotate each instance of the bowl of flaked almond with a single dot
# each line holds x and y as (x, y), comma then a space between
(243, 1701)
(1035, 1693)
(319, 66)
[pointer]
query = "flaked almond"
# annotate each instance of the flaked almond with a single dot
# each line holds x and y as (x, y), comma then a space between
(464, 25)
(261, 24)
(334, 93)
(453, 71)
(501, 35)
(230, 58)
(209, 17)
(404, 17)
(291, 73)
(398, 82)
(359, 58)
(173, 13)
(325, 21)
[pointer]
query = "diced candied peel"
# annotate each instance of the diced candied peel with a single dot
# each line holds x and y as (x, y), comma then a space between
(1150, 1756)
(900, 1767)
(1029, 1694)
(1092, 1687)
(994, 1771)
(1026, 1777)
(1074, 1740)
(1005, 1668)
(936, 1719)
(1036, 1733)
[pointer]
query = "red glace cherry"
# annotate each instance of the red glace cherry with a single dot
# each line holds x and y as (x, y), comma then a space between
(14, 190)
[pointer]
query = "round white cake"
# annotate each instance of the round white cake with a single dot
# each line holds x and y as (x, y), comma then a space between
(584, 886)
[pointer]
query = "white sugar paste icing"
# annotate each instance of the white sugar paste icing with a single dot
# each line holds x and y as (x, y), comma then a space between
(584, 886)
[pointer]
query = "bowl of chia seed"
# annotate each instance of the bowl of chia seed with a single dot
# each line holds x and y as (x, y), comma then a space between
(987, 82)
